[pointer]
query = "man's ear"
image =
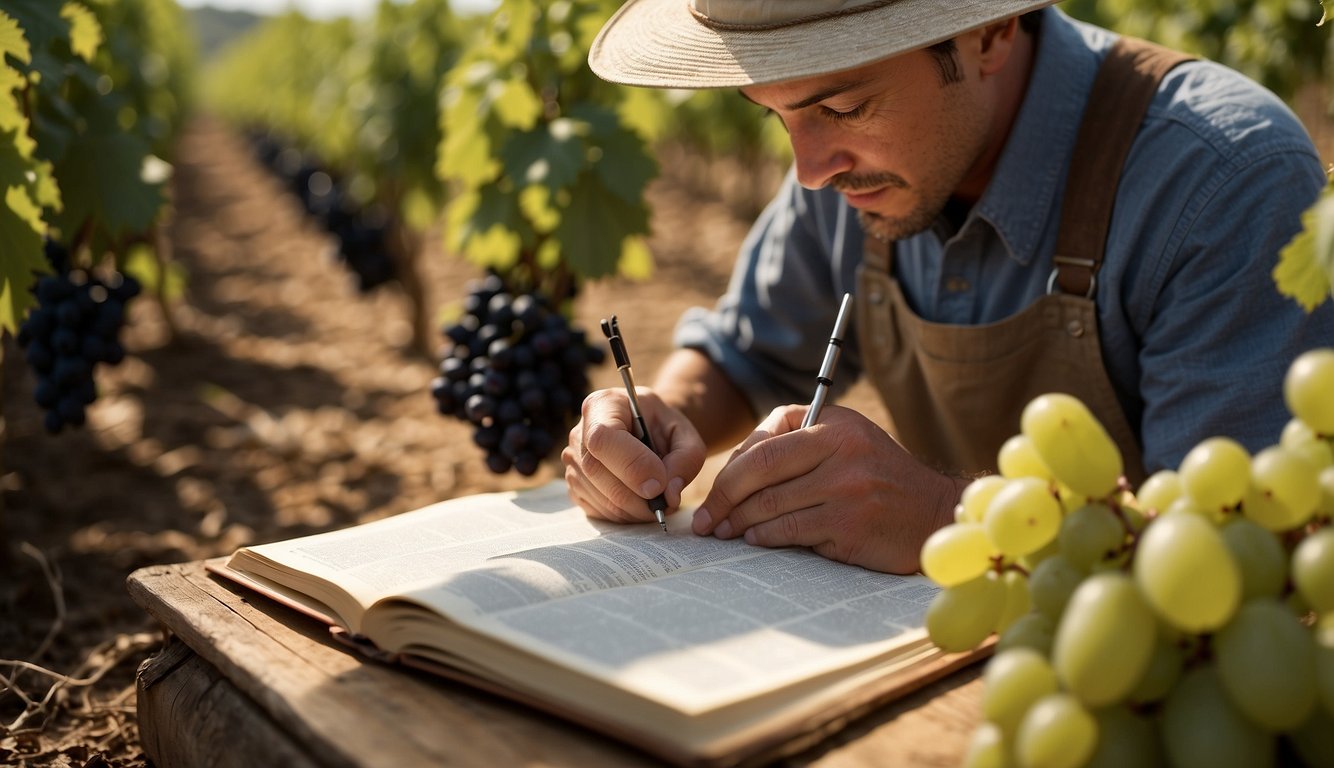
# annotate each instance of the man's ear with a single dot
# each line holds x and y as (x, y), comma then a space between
(996, 42)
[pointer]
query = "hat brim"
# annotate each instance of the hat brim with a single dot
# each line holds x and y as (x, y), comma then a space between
(660, 44)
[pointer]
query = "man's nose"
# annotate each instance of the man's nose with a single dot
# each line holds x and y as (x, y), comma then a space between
(818, 157)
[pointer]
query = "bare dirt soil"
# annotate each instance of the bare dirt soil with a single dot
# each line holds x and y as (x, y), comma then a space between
(284, 403)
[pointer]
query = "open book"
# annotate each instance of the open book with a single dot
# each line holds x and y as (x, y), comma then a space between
(701, 651)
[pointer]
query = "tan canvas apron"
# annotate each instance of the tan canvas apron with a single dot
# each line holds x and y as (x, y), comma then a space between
(955, 392)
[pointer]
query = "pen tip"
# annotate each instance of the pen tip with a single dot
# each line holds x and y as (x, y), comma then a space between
(664, 527)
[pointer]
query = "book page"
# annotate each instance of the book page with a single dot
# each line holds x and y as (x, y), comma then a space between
(398, 554)
(695, 622)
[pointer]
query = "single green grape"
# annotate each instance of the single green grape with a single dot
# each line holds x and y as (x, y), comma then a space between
(1216, 473)
(1284, 489)
(1051, 584)
(1022, 517)
(960, 617)
(1057, 732)
(1307, 388)
(1313, 569)
(1014, 679)
(1187, 574)
(1259, 556)
(1091, 534)
(1202, 729)
(1298, 436)
(1018, 458)
(1266, 663)
(1072, 444)
(956, 553)
(1159, 490)
(1104, 641)
(978, 495)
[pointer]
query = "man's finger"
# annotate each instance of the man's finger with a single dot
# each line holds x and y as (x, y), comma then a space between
(764, 471)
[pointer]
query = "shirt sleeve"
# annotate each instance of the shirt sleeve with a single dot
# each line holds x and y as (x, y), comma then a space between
(769, 331)
(1219, 337)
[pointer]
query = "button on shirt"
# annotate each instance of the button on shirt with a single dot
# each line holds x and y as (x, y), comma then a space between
(1195, 336)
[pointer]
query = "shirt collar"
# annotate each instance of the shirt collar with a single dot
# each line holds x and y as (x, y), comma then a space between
(1021, 199)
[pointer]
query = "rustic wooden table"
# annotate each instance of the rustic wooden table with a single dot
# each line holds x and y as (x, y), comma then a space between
(243, 681)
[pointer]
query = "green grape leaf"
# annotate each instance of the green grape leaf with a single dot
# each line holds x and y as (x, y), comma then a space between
(40, 21)
(21, 231)
(11, 113)
(553, 155)
(101, 176)
(85, 34)
(516, 105)
(495, 247)
(625, 165)
(594, 226)
(1305, 270)
(489, 227)
(12, 41)
(645, 112)
(535, 202)
(466, 155)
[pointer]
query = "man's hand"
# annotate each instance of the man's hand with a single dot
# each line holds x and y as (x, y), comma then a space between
(611, 474)
(842, 487)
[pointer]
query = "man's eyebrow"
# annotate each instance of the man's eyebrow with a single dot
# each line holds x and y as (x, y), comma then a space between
(814, 98)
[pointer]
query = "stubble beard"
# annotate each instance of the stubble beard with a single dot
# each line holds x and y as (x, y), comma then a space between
(919, 218)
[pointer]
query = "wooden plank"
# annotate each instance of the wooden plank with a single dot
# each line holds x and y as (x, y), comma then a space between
(344, 711)
(190, 715)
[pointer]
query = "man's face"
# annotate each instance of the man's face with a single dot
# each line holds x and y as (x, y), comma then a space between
(892, 136)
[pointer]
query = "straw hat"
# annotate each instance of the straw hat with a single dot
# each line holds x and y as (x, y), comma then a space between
(732, 43)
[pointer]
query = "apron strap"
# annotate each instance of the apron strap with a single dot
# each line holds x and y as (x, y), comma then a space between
(1125, 85)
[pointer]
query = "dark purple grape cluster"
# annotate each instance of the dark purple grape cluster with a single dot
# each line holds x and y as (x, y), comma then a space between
(515, 369)
(75, 326)
(362, 231)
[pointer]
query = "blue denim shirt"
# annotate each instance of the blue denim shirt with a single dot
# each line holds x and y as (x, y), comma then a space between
(1195, 336)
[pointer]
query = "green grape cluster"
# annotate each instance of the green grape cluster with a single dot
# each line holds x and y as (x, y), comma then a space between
(1189, 622)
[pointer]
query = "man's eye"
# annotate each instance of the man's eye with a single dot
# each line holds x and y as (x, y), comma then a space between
(851, 114)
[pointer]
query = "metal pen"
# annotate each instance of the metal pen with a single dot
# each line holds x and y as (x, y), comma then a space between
(824, 380)
(612, 330)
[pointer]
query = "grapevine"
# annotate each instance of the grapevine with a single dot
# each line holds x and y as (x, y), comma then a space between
(91, 99)
(1190, 621)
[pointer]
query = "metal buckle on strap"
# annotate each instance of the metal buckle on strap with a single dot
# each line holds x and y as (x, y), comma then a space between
(1070, 261)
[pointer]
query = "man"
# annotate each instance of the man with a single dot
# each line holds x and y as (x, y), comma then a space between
(1003, 262)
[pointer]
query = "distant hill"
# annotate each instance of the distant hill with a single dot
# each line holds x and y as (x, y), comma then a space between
(215, 27)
